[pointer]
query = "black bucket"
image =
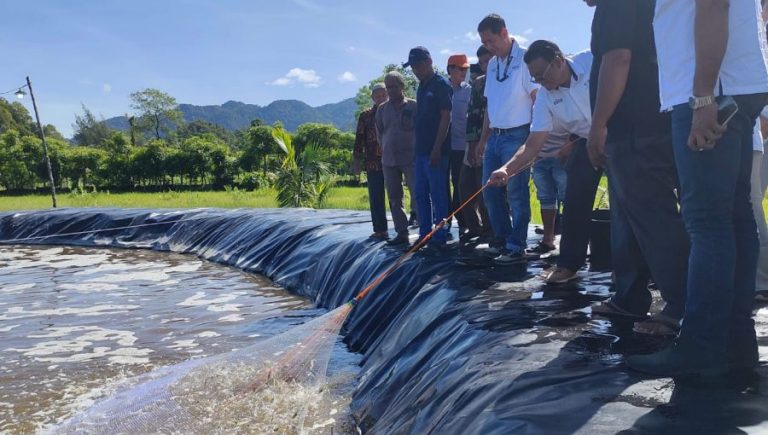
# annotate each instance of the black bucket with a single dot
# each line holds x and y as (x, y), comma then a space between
(600, 240)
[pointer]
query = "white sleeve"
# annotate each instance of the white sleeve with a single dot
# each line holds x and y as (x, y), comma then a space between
(542, 116)
(528, 85)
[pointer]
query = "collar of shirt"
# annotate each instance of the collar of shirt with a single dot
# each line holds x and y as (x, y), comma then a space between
(498, 64)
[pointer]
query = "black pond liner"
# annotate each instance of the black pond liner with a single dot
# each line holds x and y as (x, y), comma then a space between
(447, 349)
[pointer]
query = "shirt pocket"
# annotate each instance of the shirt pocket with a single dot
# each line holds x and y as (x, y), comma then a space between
(407, 121)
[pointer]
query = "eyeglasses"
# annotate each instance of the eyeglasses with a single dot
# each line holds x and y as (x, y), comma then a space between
(543, 76)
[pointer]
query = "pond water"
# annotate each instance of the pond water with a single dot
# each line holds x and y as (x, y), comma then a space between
(74, 321)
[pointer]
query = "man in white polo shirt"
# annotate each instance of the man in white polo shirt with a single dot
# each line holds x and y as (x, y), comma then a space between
(709, 48)
(510, 93)
(562, 108)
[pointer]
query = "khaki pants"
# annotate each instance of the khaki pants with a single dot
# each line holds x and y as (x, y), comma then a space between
(393, 182)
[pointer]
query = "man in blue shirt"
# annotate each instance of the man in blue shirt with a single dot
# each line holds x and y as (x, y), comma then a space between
(433, 146)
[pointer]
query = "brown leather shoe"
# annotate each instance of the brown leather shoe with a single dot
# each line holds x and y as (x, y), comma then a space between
(561, 275)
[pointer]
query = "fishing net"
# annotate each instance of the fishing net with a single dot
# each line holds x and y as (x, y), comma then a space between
(269, 387)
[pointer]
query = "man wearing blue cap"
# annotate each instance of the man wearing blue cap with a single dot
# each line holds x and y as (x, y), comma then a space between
(433, 146)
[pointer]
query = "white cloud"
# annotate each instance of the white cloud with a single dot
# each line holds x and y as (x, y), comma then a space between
(306, 77)
(472, 36)
(445, 51)
(520, 39)
(107, 88)
(351, 49)
(347, 77)
(472, 59)
(528, 31)
(309, 5)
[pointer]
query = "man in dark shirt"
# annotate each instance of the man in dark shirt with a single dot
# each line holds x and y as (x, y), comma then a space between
(433, 147)
(475, 214)
(367, 149)
(647, 234)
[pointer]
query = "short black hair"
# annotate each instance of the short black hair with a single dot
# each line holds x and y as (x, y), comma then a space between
(482, 51)
(492, 22)
(542, 49)
(475, 69)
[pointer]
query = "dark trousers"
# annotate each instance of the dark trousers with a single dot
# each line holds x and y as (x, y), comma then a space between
(455, 164)
(580, 191)
(376, 200)
(716, 205)
(648, 239)
(475, 215)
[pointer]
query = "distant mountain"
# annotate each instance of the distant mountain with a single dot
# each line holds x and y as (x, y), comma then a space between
(234, 115)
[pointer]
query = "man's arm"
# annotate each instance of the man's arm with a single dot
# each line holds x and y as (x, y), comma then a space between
(614, 71)
(524, 156)
(711, 38)
(442, 133)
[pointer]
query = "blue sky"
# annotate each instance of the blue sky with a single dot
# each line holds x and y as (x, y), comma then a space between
(97, 52)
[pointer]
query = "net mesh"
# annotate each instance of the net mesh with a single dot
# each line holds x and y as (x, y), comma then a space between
(268, 387)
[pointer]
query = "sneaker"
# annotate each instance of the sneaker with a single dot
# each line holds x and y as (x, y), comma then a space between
(680, 359)
(493, 251)
(561, 275)
(401, 239)
(509, 258)
(415, 243)
(541, 249)
(437, 244)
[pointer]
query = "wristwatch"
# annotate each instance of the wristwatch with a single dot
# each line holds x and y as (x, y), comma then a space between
(699, 102)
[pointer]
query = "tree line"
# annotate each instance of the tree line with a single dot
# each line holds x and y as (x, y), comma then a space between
(160, 150)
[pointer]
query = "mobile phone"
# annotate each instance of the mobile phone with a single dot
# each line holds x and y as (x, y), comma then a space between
(726, 108)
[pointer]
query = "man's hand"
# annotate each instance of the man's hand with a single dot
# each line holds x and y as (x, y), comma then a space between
(357, 166)
(479, 151)
(434, 158)
(565, 152)
(499, 177)
(472, 154)
(705, 130)
(596, 146)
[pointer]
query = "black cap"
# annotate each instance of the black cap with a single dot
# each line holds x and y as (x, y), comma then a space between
(417, 54)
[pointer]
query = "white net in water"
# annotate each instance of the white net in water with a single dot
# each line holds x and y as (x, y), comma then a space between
(269, 387)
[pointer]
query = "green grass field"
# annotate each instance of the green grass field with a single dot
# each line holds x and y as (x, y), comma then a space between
(352, 198)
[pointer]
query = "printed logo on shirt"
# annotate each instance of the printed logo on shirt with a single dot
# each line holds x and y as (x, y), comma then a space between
(557, 101)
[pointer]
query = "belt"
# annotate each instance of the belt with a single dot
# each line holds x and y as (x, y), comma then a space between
(503, 131)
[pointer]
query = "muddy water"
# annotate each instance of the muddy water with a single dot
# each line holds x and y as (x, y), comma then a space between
(73, 321)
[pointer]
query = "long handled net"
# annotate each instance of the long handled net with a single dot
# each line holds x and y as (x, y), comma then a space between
(273, 386)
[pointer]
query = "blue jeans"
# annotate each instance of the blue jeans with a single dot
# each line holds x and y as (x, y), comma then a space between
(550, 180)
(430, 185)
(498, 151)
(717, 212)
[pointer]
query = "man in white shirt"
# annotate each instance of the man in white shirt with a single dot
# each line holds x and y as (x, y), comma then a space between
(708, 48)
(562, 108)
(510, 93)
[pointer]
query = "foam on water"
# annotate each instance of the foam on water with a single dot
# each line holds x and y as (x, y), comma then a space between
(77, 324)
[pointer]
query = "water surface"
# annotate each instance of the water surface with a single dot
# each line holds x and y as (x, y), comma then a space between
(75, 320)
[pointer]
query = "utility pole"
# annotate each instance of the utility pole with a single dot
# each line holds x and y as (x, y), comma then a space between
(45, 145)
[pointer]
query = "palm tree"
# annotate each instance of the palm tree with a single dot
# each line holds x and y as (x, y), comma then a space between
(303, 179)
